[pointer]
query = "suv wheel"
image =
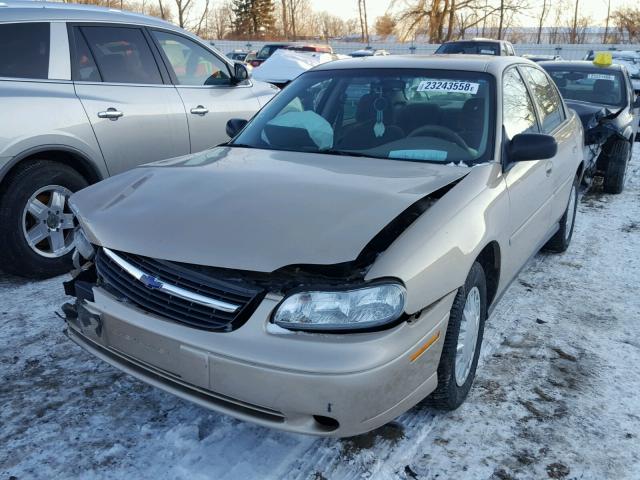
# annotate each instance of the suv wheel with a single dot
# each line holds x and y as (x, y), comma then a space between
(36, 240)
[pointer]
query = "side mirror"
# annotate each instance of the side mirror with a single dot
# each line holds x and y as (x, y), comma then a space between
(532, 146)
(240, 72)
(636, 102)
(234, 125)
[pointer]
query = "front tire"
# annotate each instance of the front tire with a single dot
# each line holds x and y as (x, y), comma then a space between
(36, 239)
(562, 238)
(616, 169)
(462, 342)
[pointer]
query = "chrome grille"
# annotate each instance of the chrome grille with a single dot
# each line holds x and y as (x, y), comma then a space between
(115, 274)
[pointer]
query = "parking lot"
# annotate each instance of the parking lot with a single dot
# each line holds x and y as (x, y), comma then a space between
(555, 395)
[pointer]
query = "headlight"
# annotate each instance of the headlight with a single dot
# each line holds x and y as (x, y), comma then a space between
(83, 245)
(356, 309)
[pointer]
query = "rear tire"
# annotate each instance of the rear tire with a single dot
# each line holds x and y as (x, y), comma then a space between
(17, 256)
(616, 169)
(562, 238)
(455, 376)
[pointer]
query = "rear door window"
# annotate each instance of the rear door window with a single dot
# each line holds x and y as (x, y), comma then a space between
(24, 50)
(122, 55)
(547, 98)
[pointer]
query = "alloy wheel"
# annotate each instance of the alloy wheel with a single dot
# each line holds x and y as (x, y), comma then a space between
(48, 223)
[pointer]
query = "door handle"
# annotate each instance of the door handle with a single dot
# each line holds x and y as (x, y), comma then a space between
(549, 168)
(200, 110)
(110, 113)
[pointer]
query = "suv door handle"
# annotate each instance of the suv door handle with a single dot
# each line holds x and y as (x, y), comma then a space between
(111, 113)
(200, 110)
(549, 168)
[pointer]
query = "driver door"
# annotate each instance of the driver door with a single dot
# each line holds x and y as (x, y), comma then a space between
(204, 83)
(529, 183)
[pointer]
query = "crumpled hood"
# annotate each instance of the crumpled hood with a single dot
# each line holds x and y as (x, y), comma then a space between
(589, 113)
(254, 209)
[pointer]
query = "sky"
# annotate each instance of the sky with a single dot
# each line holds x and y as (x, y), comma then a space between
(375, 8)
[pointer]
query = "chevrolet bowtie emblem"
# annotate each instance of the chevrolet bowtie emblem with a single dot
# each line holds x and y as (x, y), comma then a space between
(150, 281)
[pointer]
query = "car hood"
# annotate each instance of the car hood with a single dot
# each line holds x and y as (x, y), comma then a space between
(589, 113)
(253, 209)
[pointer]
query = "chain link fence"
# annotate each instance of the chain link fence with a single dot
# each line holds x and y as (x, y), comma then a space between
(566, 51)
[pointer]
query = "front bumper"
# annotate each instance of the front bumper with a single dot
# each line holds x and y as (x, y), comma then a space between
(331, 385)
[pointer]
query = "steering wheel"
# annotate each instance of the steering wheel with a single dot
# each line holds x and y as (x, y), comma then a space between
(439, 132)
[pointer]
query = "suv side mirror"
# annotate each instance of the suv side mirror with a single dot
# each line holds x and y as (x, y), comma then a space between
(240, 72)
(532, 146)
(234, 125)
(636, 102)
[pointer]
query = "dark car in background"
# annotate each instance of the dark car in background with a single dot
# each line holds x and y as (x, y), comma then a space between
(237, 55)
(604, 99)
(477, 46)
(628, 58)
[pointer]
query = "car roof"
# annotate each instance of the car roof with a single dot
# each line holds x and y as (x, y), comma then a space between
(30, 11)
(477, 40)
(475, 63)
(578, 65)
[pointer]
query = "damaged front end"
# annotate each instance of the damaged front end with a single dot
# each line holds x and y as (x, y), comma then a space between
(600, 130)
(191, 294)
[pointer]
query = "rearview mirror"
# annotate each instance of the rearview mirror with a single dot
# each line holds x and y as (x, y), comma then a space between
(532, 146)
(240, 72)
(234, 125)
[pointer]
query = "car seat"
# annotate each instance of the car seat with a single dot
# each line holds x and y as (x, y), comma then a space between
(416, 115)
(361, 136)
(604, 91)
(472, 122)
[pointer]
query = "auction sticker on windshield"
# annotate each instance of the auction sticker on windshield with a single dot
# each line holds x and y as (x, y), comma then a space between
(448, 86)
(601, 76)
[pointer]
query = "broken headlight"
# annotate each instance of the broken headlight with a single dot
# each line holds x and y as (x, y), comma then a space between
(356, 309)
(83, 248)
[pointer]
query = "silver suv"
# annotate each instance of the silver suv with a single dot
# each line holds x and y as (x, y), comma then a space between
(87, 93)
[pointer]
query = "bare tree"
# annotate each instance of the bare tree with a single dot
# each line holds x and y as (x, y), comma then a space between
(606, 25)
(627, 21)
(501, 13)
(285, 19)
(573, 36)
(183, 7)
(385, 25)
(543, 15)
(221, 20)
(361, 20)
(366, 21)
(203, 19)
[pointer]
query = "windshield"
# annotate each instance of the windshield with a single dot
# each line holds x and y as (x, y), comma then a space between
(475, 48)
(593, 86)
(421, 115)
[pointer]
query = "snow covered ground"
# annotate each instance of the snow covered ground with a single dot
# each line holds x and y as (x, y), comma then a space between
(556, 396)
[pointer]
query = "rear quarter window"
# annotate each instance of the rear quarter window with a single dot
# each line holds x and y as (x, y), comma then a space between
(24, 50)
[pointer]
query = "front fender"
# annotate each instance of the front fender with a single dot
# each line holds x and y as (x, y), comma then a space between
(434, 255)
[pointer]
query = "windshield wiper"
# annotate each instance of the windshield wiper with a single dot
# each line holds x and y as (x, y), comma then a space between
(346, 153)
(240, 145)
